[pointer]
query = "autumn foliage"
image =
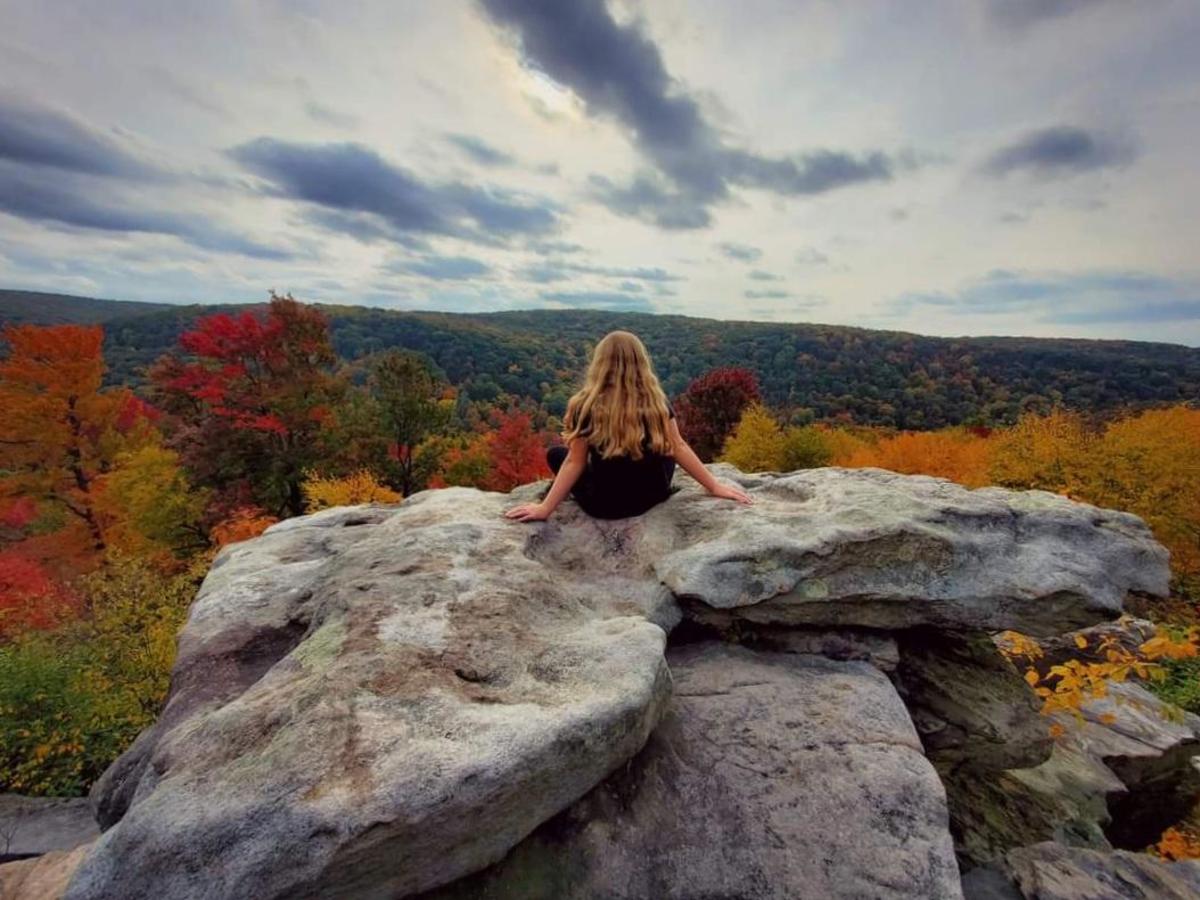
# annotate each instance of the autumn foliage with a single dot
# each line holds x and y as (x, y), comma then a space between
(362, 486)
(1066, 686)
(248, 400)
(112, 504)
(711, 406)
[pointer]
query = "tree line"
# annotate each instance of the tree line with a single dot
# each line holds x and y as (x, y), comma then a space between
(114, 500)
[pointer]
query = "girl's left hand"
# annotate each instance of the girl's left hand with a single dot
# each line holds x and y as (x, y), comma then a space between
(528, 512)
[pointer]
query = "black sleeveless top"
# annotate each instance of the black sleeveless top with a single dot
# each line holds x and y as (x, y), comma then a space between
(621, 486)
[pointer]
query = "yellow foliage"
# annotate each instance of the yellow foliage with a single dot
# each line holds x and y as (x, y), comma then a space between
(72, 700)
(757, 443)
(350, 490)
(954, 453)
(844, 444)
(1067, 686)
(148, 506)
(1041, 452)
(1149, 464)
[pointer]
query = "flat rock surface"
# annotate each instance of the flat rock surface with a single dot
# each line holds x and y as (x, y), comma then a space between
(771, 776)
(41, 878)
(873, 548)
(1052, 872)
(42, 824)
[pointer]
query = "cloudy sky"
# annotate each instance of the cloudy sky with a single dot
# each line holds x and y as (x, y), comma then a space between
(940, 166)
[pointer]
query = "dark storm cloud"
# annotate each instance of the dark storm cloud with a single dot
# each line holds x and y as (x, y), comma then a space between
(545, 272)
(648, 196)
(28, 194)
(742, 252)
(599, 300)
(480, 151)
(443, 268)
(1022, 14)
(809, 173)
(1066, 298)
(326, 115)
(37, 136)
(618, 71)
(355, 180)
(1059, 150)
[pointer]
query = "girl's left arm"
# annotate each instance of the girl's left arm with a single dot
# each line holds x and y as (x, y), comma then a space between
(568, 474)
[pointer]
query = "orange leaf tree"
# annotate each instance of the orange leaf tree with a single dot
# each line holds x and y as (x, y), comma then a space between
(60, 430)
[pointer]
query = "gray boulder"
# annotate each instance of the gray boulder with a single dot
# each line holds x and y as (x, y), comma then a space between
(375, 702)
(872, 548)
(30, 825)
(1050, 871)
(1116, 777)
(443, 694)
(771, 776)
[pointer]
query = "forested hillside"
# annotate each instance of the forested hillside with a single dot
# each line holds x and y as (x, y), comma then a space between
(821, 372)
(40, 308)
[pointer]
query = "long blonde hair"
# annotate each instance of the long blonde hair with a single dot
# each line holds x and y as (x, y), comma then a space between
(621, 403)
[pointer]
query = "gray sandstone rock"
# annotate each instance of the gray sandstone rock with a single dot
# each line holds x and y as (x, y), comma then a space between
(42, 824)
(1051, 871)
(872, 548)
(771, 776)
(374, 702)
(445, 694)
(1106, 783)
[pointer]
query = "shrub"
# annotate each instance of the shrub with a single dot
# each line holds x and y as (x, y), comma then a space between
(350, 490)
(73, 700)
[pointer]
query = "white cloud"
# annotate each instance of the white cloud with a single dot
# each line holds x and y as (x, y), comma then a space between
(939, 88)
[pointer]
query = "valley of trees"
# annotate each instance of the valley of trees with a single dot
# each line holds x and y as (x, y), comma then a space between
(807, 372)
(135, 449)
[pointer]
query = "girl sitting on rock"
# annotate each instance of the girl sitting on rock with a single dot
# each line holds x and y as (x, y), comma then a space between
(622, 441)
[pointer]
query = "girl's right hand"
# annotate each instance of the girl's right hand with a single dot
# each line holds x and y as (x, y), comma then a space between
(729, 492)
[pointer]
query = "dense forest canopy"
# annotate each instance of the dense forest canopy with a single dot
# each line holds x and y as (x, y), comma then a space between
(812, 372)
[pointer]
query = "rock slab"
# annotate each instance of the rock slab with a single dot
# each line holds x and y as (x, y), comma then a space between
(1050, 871)
(42, 824)
(378, 701)
(771, 776)
(443, 695)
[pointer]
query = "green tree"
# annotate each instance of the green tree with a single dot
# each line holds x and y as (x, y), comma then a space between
(414, 405)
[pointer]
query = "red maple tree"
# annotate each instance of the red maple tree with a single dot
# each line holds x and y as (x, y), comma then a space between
(249, 399)
(709, 409)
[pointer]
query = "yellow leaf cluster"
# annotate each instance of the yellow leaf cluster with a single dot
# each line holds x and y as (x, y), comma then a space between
(1067, 686)
(358, 487)
(759, 444)
(756, 444)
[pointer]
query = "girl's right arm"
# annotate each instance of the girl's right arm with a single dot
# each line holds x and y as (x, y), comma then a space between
(690, 463)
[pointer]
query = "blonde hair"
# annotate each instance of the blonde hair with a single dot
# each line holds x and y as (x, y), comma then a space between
(621, 404)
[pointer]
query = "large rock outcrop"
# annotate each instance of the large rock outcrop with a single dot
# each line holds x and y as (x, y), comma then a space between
(765, 771)
(1123, 769)
(377, 702)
